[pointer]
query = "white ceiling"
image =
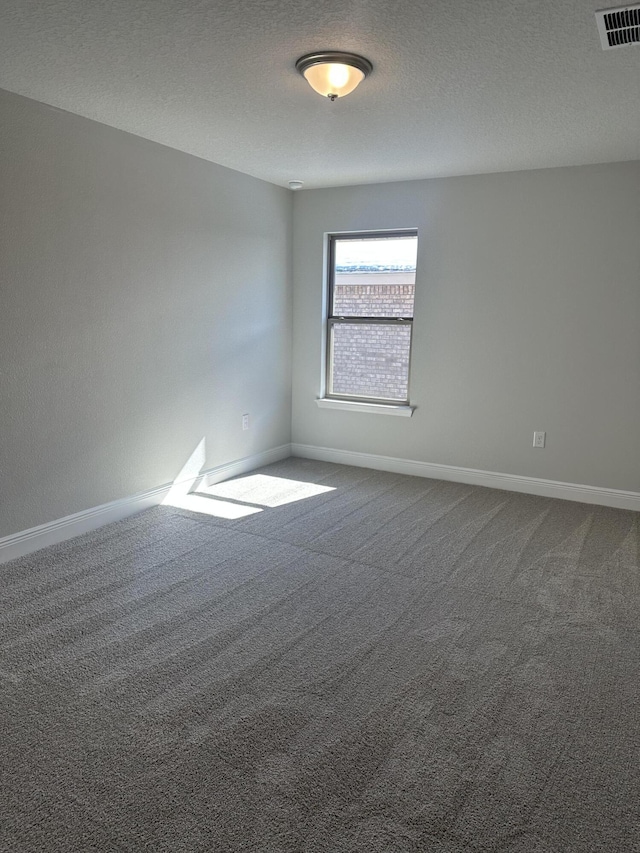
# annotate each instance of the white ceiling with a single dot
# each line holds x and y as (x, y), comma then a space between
(458, 87)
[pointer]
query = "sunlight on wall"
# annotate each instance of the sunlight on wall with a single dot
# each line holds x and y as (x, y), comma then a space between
(187, 479)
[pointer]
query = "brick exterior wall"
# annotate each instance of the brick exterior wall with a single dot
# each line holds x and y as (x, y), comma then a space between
(373, 300)
(372, 360)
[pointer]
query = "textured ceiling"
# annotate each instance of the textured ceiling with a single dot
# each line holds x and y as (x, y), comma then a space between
(458, 87)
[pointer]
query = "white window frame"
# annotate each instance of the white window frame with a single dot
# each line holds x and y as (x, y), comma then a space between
(369, 405)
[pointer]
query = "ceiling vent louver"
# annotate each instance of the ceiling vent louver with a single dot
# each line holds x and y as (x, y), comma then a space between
(619, 27)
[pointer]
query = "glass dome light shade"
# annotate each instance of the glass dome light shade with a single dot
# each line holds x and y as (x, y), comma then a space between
(333, 75)
(332, 78)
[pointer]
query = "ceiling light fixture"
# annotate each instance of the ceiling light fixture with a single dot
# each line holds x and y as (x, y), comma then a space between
(333, 74)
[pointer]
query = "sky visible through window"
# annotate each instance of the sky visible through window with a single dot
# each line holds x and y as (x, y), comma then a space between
(385, 253)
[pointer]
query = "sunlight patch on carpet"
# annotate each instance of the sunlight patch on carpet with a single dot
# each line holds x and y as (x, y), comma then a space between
(266, 490)
(210, 506)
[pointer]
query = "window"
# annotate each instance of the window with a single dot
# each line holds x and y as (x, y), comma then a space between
(370, 316)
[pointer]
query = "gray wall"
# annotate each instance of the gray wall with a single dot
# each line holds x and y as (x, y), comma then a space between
(145, 303)
(527, 317)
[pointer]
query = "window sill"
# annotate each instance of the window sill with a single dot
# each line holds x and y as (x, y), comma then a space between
(402, 411)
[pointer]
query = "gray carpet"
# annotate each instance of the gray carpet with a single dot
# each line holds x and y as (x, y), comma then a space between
(397, 664)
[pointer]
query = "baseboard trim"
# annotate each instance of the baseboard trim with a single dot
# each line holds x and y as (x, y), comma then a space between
(508, 482)
(242, 466)
(26, 541)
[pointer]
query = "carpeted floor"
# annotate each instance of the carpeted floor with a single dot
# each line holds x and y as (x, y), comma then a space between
(388, 664)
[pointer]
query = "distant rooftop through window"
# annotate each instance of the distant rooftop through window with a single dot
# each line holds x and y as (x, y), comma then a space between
(392, 254)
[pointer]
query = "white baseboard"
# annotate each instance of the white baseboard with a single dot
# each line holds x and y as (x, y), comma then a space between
(26, 541)
(241, 466)
(509, 482)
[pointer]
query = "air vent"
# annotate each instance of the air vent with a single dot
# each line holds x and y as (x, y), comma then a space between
(619, 27)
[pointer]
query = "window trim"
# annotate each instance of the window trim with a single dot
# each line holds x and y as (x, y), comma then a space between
(399, 409)
(374, 404)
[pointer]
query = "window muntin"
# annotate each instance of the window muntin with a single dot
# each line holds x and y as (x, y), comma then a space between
(370, 316)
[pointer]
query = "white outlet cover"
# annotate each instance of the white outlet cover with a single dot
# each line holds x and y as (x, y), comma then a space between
(539, 439)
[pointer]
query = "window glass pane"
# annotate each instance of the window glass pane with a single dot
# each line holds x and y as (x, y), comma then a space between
(370, 360)
(374, 277)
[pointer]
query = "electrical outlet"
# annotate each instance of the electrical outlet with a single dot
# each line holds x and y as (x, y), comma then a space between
(539, 439)
(245, 422)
